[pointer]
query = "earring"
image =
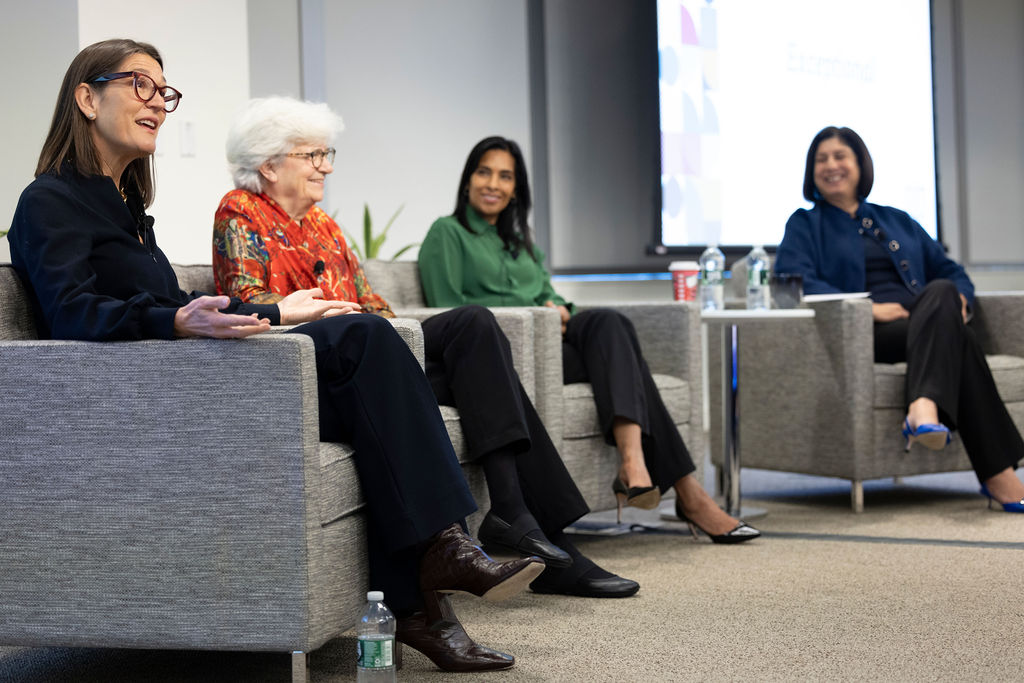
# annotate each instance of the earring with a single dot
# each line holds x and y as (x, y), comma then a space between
(92, 116)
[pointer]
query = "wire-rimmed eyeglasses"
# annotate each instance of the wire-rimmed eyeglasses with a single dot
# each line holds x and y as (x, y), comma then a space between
(316, 157)
(145, 88)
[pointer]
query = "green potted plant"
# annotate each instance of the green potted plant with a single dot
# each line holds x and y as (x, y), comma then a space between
(371, 244)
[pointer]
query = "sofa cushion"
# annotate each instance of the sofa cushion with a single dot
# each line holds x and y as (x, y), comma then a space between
(581, 413)
(1008, 372)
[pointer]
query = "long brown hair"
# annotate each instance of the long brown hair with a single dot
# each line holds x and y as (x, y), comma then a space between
(69, 138)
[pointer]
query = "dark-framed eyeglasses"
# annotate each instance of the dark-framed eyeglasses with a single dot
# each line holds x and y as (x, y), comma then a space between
(316, 157)
(145, 88)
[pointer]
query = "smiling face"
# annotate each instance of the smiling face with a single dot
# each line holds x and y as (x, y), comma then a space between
(124, 128)
(493, 184)
(294, 183)
(836, 172)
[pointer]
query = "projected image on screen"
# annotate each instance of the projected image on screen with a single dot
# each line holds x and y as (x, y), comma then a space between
(744, 86)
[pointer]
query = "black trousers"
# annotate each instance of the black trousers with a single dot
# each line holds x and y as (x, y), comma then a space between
(945, 363)
(373, 395)
(469, 365)
(600, 346)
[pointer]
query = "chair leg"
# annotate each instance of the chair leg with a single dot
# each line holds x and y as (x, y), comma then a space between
(300, 667)
(857, 495)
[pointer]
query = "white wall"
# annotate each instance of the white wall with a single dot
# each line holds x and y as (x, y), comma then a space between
(31, 69)
(418, 84)
(206, 56)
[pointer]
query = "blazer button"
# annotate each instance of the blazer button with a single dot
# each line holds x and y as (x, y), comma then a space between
(867, 222)
(905, 264)
(894, 245)
(913, 283)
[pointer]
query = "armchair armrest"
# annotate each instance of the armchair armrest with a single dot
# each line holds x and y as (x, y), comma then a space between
(999, 322)
(516, 323)
(807, 389)
(151, 489)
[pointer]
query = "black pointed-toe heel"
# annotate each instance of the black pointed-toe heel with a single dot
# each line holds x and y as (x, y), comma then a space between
(643, 497)
(740, 533)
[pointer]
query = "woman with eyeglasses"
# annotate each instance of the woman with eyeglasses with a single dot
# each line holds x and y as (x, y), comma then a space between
(82, 242)
(270, 238)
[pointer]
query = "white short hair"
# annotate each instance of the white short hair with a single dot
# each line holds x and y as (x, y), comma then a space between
(270, 127)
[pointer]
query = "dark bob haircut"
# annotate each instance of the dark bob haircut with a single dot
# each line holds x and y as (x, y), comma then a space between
(69, 139)
(849, 138)
(512, 227)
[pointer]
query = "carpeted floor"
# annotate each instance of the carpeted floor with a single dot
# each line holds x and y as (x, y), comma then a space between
(925, 585)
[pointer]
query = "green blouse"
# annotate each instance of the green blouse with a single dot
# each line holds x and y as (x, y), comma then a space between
(459, 266)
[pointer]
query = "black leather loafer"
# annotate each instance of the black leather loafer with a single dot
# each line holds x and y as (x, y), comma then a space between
(497, 534)
(568, 583)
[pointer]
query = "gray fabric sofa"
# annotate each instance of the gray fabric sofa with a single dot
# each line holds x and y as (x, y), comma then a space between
(671, 340)
(175, 494)
(813, 401)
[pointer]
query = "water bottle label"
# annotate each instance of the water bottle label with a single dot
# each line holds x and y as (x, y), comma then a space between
(375, 654)
(711, 277)
(758, 276)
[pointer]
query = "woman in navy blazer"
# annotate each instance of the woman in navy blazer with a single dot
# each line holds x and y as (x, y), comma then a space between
(921, 303)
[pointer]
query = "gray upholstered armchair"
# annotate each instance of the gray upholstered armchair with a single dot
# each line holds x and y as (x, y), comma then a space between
(174, 494)
(814, 401)
(669, 334)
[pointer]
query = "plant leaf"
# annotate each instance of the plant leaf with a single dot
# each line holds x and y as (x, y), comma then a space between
(368, 233)
(403, 250)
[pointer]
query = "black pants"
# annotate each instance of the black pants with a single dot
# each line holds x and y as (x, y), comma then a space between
(469, 365)
(600, 346)
(946, 364)
(373, 395)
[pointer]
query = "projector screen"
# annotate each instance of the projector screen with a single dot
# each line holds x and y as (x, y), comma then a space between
(745, 84)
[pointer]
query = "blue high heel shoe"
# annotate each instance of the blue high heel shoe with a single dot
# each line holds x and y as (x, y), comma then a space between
(1007, 507)
(931, 436)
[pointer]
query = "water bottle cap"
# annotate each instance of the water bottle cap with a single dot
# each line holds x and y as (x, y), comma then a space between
(375, 596)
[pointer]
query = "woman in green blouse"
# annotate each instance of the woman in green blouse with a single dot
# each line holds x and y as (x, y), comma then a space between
(483, 254)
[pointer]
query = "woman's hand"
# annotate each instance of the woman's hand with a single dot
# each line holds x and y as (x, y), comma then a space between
(562, 311)
(309, 304)
(963, 307)
(886, 313)
(201, 317)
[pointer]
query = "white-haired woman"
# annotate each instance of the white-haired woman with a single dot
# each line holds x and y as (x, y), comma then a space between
(271, 239)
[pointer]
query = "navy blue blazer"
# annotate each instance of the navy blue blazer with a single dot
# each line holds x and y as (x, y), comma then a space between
(75, 244)
(825, 246)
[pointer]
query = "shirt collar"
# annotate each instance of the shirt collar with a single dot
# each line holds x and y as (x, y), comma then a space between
(477, 224)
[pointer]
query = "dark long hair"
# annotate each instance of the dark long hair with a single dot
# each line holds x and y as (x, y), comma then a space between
(860, 150)
(512, 227)
(69, 138)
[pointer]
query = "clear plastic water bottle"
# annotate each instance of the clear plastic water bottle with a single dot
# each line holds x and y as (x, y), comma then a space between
(758, 296)
(375, 633)
(712, 284)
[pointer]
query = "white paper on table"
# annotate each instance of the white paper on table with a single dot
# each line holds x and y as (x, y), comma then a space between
(838, 296)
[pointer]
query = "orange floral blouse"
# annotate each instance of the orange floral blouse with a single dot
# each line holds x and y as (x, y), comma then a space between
(260, 254)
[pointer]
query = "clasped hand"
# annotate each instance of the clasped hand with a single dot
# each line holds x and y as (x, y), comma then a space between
(202, 316)
(887, 312)
(309, 304)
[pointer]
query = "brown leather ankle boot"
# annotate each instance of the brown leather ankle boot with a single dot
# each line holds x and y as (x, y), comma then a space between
(454, 562)
(436, 632)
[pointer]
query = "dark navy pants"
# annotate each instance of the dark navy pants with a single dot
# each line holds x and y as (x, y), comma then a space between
(374, 395)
